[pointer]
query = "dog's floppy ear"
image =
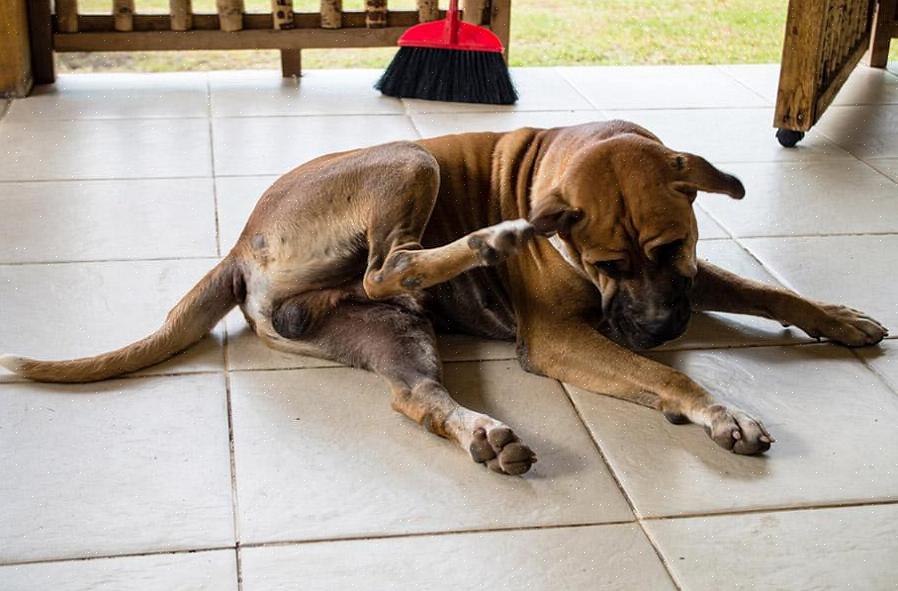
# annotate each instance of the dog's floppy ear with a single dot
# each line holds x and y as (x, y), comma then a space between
(697, 174)
(551, 214)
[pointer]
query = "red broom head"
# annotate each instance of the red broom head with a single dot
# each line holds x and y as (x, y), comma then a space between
(451, 33)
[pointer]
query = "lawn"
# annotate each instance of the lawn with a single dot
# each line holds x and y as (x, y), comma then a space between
(543, 33)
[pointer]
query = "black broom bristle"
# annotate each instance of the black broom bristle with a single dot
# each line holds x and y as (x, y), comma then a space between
(448, 75)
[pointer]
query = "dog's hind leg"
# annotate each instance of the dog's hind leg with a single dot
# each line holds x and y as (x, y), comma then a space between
(407, 269)
(397, 342)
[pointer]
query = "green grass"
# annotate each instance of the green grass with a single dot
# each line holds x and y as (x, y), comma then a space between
(543, 33)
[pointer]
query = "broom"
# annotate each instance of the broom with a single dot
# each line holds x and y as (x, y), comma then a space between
(449, 60)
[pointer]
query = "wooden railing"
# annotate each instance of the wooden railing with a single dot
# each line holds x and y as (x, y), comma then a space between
(231, 28)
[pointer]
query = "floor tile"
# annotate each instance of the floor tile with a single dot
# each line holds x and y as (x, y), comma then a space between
(845, 548)
(728, 135)
(101, 220)
(119, 467)
(320, 454)
(317, 92)
(887, 166)
(237, 196)
(199, 571)
(115, 96)
(865, 86)
(867, 131)
(73, 310)
(434, 124)
(832, 418)
(856, 271)
(884, 361)
(715, 329)
(42, 149)
(540, 89)
(707, 227)
(275, 145)
(541, 559)
(802, 198)
(660, 87)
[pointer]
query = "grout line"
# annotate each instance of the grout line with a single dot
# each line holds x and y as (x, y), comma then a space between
(763, 510)
(881, 173)
(239, 568)
(76, 179)
(235, 504)
(212, 166)
(885, 381)
(620, 485)
(109, 556)
(210, 258)
(720, 68)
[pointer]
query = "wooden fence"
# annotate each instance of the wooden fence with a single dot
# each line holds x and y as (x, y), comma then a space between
(65, 30)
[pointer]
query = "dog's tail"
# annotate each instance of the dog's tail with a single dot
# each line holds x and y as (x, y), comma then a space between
(220, 290)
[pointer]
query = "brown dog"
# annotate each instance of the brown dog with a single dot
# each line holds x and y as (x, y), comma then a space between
(356, 256)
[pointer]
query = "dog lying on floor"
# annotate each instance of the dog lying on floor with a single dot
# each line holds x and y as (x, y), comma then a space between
(577, 242)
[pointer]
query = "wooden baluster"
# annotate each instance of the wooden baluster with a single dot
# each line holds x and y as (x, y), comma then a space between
(67, 16)
(331, 14)
(123, 14)
(181, 13)
(476, 12)
(282, 14)
(230, 14)
(375, 14)
(428, 10)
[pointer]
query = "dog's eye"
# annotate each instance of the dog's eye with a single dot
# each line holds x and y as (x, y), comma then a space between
(667, 252)
(613, 269)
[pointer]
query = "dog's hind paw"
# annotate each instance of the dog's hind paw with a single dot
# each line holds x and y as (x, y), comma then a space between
(496, 243)
(501, 450)
(736, 431)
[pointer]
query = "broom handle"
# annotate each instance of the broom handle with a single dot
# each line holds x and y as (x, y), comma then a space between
(452, 21)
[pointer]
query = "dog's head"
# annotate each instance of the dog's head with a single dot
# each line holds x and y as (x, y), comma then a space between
(620, 211)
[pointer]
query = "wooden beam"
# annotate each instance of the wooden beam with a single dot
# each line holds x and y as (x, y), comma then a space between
(67, 16)
(291, 63)
(15, 49)
(40, 26)
(476, 12)
(500, 22)
(885, 21)
(246, 39)
(181, 12)
(800, 68)
(103, 23)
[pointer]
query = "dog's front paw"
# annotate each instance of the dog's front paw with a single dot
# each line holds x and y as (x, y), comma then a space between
(736, 431)
(500, 449)
(496, 243)
(847, 326)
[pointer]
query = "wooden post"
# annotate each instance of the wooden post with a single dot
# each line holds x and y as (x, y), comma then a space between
(331, 14)
(282, 14)
(500, 22)
(181, 12)
(67, 16)
(884, 21)
(230, 14)
(428, 10)
(375, 14)
(123, 10)
(476, 12)
(40, 26)
(15, 52)
(291, 63)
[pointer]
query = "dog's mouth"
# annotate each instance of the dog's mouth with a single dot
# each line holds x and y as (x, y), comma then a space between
(634, 333)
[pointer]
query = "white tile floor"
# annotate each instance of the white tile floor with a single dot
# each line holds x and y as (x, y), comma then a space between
(236, 467)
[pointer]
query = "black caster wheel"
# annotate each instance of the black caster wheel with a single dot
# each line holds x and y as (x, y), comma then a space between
(788, 138)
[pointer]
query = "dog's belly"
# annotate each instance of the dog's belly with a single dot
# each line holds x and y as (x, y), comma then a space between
(474, 303)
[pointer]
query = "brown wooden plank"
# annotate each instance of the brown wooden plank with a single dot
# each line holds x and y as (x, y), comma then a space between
(102, 23)
(181, 12)
(500, 22)
(331, 14)
(15, 50)
(40, 25)
(123, 13)
(884, 28)
(476, 12)
(826, 98)
(230, 14)
(291, 62)
(801, 64)
(246, 39)
(67, 16)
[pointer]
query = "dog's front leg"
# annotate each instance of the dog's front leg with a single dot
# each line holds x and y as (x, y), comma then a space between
(573, 352)
(718, 290)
